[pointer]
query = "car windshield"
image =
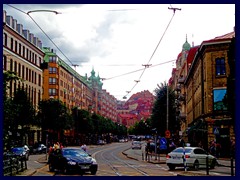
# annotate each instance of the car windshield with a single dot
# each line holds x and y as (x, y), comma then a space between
(74, 153)
(136, 142)
(180, 150)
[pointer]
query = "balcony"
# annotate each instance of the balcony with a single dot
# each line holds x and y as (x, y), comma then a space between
(182, 97)
(181, 80)
(182, 116)
(178, 88)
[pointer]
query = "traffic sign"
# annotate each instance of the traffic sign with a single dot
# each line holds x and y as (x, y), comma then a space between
(163, 140)
(216, 131)
(163, 143)
(167, 134)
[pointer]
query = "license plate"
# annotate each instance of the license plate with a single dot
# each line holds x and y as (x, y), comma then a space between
(176, 157)
(85, 167)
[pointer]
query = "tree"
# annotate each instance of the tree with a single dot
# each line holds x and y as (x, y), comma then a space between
(53, 115)
(8, 113)
(159, 111)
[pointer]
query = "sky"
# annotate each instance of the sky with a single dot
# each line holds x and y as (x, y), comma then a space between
(116, 40)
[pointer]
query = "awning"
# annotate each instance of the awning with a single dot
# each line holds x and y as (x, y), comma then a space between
(197, 126)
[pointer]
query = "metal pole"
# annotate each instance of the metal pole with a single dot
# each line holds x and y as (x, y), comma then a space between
(155, 146)
(184, 159)
(46, 145)
(167, 108)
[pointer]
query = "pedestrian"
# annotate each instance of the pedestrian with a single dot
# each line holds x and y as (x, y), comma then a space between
(232, 148)
(181, 143)
(84, 147)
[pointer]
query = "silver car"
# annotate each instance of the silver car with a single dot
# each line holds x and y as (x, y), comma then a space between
(194, 157)
(136, 145)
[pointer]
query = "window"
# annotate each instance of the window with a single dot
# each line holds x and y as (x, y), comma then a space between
(52, 59)
(11, 43)
(39, 80)
(16, 45)
(220, 99)
(5, 39)
(52, 70)
(52, 92)
(52, 80)
(220, 66)
(5, 63)
(23, 72)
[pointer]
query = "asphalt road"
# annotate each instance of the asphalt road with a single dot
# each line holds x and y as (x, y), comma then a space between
(118, 159)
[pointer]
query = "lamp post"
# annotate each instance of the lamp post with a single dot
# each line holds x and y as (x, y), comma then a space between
(46, 146)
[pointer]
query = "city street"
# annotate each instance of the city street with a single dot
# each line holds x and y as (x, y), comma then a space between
(118, 159)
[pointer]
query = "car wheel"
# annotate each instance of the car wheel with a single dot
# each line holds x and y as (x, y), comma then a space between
(196, 165)
(93, 172)
(51, 168)
(171, 166)
(65, 170)
(213, 164)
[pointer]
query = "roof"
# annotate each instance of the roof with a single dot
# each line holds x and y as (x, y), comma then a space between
(191, 54)
(227, 36)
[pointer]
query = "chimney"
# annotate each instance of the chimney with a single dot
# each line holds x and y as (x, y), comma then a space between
(4, 16)
(35, 41)
(19, 28)
(26, 34)
(15, 24)
(31, 36)
(10, 20)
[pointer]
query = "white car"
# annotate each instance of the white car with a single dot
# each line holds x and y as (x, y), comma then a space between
(195, 157)
(136, 145)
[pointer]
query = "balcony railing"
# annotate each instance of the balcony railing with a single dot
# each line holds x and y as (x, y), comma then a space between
(182, 115)
(181, 97)
(181, 80)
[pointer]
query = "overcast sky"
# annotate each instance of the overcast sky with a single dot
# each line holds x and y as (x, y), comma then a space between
(119, 39)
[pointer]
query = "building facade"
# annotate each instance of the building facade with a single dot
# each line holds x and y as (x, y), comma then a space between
(22, 54)
(203, 83)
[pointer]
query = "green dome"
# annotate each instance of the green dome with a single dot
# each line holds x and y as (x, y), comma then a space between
(186, 46)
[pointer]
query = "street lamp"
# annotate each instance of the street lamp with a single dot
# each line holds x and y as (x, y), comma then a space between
(42, 10)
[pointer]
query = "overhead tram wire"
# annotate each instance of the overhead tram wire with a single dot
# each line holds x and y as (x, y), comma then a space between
(28, 14)
(105, 79)
(147, 65)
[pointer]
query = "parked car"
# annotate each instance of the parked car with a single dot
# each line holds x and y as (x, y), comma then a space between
(72, 160)
(195, 157)
(39, 148)
(136, 145)
(21, 151)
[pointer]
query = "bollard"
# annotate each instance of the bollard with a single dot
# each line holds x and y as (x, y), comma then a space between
(232, 171)
(184, 160)
(207, 168)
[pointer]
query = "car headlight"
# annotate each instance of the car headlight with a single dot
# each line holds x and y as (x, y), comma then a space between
(72, 163)
(94, 161)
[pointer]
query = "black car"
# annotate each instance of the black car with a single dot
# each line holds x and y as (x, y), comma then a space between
(72, 160)
(21, 152)
(39, 149)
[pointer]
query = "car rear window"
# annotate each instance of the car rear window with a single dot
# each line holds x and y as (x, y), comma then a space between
(180, 150)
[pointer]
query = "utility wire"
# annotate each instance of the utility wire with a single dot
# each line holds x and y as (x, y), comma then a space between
(131, 72)
(28, 14)
(154, 50)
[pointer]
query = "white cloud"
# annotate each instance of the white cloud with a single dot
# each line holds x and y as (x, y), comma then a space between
(116, 39)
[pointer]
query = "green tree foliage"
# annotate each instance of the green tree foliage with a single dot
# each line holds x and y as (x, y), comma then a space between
(159, 111)
(54, 115)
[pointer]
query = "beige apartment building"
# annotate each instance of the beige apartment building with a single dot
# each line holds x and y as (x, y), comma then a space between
(22, 54)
